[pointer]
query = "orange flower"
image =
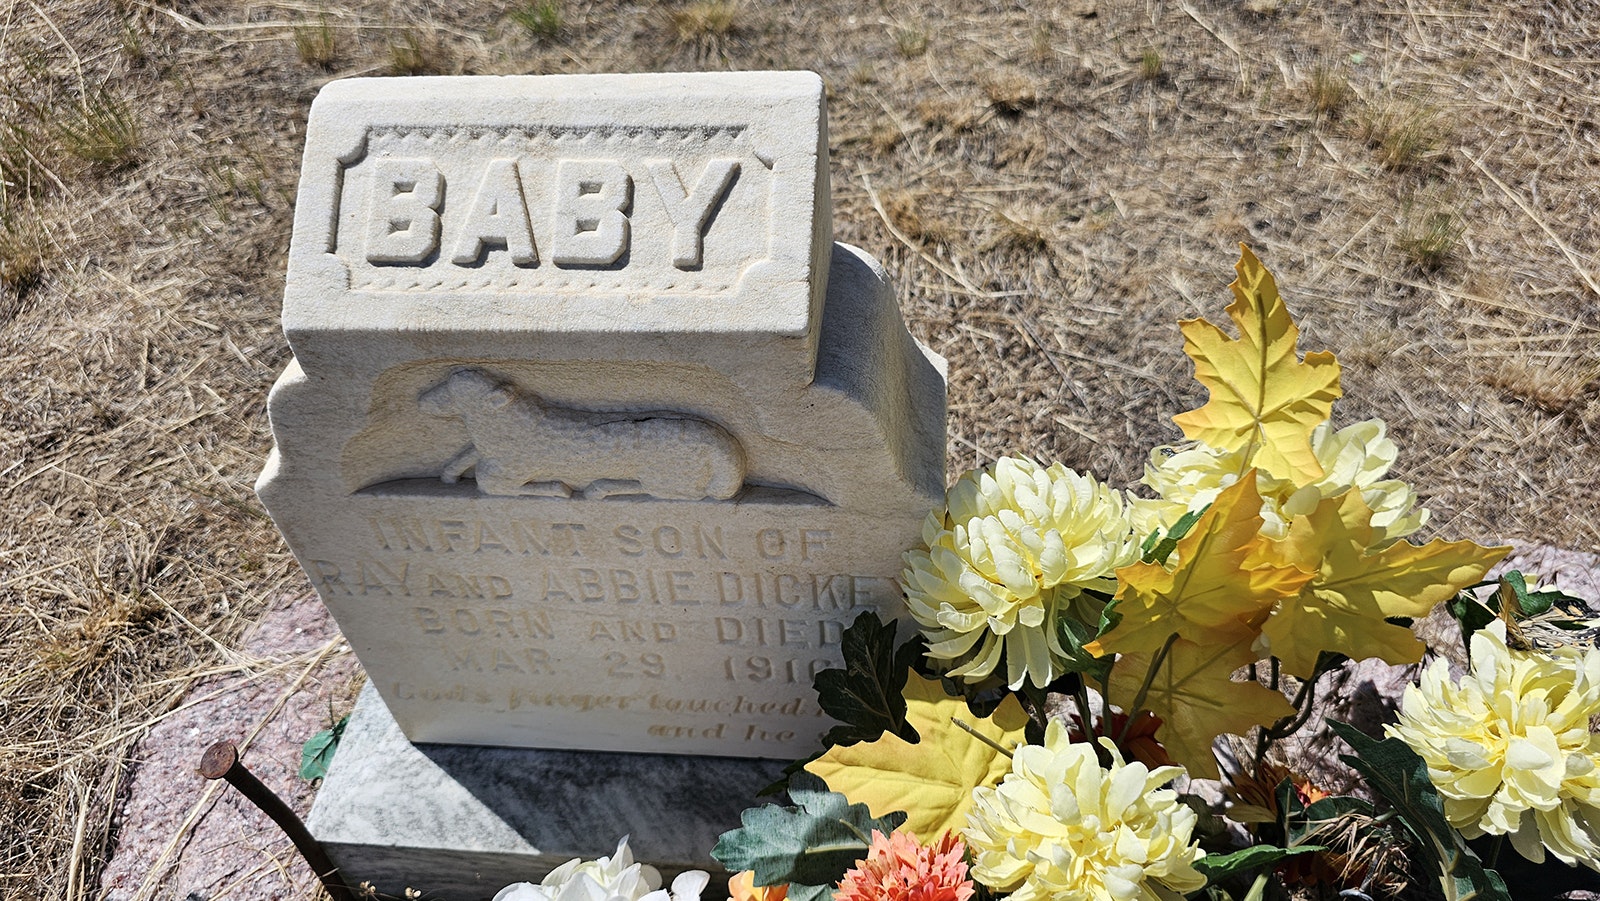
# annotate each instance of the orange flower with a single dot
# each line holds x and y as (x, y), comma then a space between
(899, 869)
(742, 887)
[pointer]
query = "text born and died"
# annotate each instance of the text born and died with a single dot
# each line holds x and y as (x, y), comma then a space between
(529, 616)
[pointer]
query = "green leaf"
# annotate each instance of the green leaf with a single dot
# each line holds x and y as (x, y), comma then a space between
(1472, 615)
(1532, 603)
(1218, 866)
(1154, 551)
(867, 695)
(1512, 598)
(1400, 777)
(1289, 805)
(1110, 618)
(809, 845)
(1148, 545)
(1073, 635)
(317, 753)
(810, 892)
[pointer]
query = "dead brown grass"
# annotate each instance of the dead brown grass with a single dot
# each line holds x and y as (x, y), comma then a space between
(1047, 203)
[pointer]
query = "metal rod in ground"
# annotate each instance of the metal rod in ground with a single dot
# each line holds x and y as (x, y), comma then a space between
(221, 761)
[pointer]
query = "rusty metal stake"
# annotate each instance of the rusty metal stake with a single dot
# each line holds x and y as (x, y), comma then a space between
(221, 761)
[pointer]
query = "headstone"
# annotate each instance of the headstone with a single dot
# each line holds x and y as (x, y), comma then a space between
(577, 445)
(593, 439)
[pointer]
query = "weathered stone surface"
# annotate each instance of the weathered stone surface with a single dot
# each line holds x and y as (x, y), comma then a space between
(593, 439)
(462, 822)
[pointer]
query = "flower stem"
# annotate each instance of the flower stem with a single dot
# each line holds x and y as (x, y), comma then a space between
(967, 728)
(1081, 696)
(1144, 689)
(1304, 701)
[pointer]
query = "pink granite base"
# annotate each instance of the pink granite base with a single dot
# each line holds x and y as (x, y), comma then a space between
(174, 841)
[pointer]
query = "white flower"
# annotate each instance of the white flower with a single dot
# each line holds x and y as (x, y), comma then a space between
(1356, 457)
(1186, 478)
(614, 878)
(1016, 546)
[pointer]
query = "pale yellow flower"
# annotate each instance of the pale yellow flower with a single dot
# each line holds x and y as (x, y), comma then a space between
(1358, 457)
(1185, 478)
(1510, 748)
(1017, 544)
(1354, 457)
(1060, 828)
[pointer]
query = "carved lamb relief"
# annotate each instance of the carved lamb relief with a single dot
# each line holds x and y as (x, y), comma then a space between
(521, 445)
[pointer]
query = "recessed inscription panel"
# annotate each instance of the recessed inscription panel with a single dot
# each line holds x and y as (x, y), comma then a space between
(605, 624)
(554, 209)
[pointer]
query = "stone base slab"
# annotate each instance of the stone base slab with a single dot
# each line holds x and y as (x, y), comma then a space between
(462, 822)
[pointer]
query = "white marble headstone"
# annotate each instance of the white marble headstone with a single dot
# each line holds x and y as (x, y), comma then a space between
(593, 438)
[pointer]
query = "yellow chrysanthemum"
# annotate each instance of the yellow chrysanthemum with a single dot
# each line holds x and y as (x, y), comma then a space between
(1510, 748)
(1060, 828)
(1014, 548)
(1356, 457)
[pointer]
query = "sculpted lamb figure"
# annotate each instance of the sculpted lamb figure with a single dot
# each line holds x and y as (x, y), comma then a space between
(523, 446)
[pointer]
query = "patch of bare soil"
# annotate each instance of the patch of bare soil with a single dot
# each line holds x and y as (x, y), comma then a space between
(1051, 185)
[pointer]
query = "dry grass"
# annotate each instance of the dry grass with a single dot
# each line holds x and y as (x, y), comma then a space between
(910, 41)
(540, 20)
(1012, 92)
(1328, 90)
(1150, 64)
(419, 52)
(1565, 387)
(705, 20)
(22, 255)
(1048, 208)
(317, 44)
(1406, 134)
(1429, 235)
(100, 129)
(915, 220)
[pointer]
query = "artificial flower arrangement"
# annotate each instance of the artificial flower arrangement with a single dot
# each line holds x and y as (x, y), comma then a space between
(1083, 649)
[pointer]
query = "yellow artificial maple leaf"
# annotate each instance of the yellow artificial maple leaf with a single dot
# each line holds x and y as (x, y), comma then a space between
(1262, 396)
(933, 779)
(1227, 580)
(1342, 608)
(1196, 699)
